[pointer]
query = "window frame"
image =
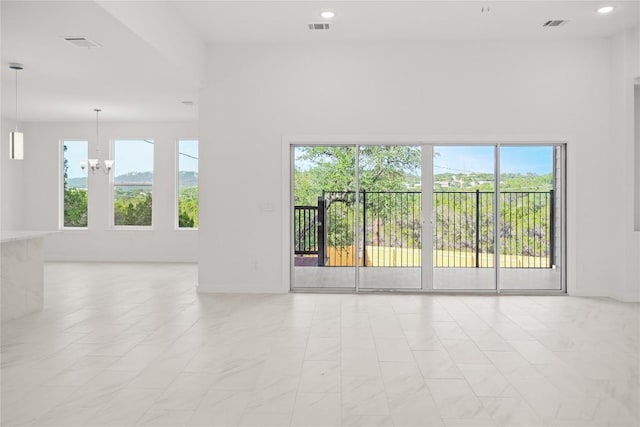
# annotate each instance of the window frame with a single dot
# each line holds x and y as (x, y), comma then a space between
(61, 224)
(112, 188)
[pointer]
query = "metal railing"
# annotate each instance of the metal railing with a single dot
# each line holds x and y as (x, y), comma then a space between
(306, 230)
(310, 234)
(463, 229)
(390, 229)
(527, 229)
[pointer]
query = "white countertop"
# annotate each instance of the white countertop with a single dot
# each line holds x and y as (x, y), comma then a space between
(14, 235)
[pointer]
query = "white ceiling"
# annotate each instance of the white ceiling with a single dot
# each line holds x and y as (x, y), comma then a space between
(141, 72)
(366, 21)
(127, 78)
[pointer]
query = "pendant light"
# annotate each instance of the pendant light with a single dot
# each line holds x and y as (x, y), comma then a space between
(16, 139)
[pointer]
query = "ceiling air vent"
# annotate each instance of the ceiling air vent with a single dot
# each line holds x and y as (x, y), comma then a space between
(83, 42)
(555, 23)
(321, 26)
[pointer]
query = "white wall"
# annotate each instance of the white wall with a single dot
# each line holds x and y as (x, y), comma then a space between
(626, 68)
(259, 94)
(12, 181)
(41, 190)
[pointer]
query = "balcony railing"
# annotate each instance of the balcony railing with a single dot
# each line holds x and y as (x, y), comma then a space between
(463, 229)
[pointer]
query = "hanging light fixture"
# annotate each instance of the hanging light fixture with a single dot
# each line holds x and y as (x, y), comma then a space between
(95, 164)
(16, 139)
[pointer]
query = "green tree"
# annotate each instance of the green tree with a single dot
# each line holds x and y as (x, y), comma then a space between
(75, 207)
(330, 171)
(381, 168)
(185, 221)
(75, 200)
(188, 208)
(133, 207)
(65, 166)
(393, 216)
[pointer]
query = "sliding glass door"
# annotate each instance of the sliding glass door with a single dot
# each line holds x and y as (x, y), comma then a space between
(325, 247)
(531, 217)
(464, 218)
(390, 217)
(494, 214)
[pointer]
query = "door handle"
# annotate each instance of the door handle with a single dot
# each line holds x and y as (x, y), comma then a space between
(431, 220)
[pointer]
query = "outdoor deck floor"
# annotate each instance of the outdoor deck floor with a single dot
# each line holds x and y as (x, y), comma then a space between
(399, 278)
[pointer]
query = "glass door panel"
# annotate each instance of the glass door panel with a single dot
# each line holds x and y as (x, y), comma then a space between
(464, 218)
(531, 229)
(389, 217)
(324, 245)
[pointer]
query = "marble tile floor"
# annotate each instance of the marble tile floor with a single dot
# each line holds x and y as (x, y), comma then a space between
(135, 345)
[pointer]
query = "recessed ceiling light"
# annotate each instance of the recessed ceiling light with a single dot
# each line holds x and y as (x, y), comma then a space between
(605, 9)
(327, 14)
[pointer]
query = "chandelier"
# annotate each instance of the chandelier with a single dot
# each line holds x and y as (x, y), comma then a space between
(96, 164)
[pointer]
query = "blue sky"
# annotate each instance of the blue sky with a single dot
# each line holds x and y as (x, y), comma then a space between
(461, 159)
(187, 150)
(132, 156)
(129, 156)
(76, 152)
(137, 156)
(454, 159)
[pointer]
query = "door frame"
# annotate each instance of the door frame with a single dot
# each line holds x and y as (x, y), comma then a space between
(569, 235)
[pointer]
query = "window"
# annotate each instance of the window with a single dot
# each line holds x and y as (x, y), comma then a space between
(187, 184)
(133, 182)
(74, 184)
(636, 115)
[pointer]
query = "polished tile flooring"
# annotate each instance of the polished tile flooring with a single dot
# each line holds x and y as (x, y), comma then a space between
(134, 344)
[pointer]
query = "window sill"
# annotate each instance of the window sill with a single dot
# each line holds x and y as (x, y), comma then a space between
(131, 228)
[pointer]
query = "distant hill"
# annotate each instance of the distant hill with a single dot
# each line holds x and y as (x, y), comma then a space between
(135, 178)
(484, 182)
(187, 179)
(445, 181)
(80, 182)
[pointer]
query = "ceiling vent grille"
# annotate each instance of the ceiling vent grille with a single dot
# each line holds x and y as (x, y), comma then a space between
(555, 23)
(83, 42)
(321, 26)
